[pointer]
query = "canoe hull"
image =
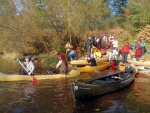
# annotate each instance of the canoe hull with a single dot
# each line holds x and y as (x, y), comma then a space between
(5, 77)
(139, 63)
(82, 90)
(84, 62)
(101, 66)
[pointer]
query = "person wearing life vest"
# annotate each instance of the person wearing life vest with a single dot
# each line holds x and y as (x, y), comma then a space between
(62, 64)
(75, 54)
(71, 55)
(138, 52)
(124, 52)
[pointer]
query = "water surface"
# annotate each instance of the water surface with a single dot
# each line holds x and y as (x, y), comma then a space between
(55, 96)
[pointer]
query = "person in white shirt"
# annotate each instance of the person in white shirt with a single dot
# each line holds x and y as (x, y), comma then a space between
(29, 67)
(113, 55)
(110, 38)
(115, 44)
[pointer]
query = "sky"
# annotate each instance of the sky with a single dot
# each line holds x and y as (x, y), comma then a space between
(19, 6)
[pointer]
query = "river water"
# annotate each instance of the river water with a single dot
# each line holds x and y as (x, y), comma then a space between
(55, 96)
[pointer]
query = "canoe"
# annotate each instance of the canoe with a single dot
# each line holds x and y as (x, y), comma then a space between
(103, 85)
(101, 66)
(139, 63)
(84, 62)
(13, 77)
(122, 66)
(143, 67)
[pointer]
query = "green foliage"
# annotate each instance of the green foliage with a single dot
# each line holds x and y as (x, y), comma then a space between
(51, 61)
(138, 15)
(59, 45)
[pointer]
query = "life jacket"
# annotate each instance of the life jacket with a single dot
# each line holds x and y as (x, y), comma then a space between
(125, 49)
(75, 51)
(138, 51)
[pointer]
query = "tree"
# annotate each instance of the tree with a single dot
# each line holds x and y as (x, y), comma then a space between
(138, 15)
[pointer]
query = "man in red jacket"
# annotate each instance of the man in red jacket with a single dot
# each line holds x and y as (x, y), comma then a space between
(124, 52)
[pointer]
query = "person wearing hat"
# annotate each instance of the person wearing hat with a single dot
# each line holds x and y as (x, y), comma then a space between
(62, 64)
(29, 67)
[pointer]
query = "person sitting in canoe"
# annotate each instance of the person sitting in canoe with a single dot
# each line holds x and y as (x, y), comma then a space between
(28, 67)
(91, 60)
(62, 64)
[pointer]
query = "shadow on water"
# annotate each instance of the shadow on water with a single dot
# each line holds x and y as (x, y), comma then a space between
(55, 96)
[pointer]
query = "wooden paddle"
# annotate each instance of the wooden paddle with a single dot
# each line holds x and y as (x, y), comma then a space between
(34, 80)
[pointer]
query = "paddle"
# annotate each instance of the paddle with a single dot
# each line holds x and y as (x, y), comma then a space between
(34, 80)
(52, 71)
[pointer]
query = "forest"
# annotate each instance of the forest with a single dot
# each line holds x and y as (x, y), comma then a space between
(44, 26)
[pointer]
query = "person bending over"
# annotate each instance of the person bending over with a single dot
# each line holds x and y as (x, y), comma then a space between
(92, 60)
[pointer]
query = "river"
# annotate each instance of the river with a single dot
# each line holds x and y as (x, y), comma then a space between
(55, 96)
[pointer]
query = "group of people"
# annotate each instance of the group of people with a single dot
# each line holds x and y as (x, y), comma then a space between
(133, 52)
(113, 45)
(127, 51)
(71, 52)
(29, 67)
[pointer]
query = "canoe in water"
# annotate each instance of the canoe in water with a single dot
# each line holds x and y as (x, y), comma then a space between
(84, 62)
(100, 86)
(139, 63)
(101, 66)
(6, 77)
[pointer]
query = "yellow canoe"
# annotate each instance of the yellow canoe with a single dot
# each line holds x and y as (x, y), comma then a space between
(139, 63)
(6, 77)
(101, 66)
(84, 62)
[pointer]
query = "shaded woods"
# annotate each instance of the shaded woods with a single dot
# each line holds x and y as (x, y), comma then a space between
(39, 26)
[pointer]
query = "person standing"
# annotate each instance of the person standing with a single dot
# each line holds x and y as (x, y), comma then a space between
(89, 46)
(29, 67)
(110, 38)
(67, 47)
(124, 52)
(98, 42)
(113, 55)
(115, 44)
(138, 52)
(143, 46)
(62, 64)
